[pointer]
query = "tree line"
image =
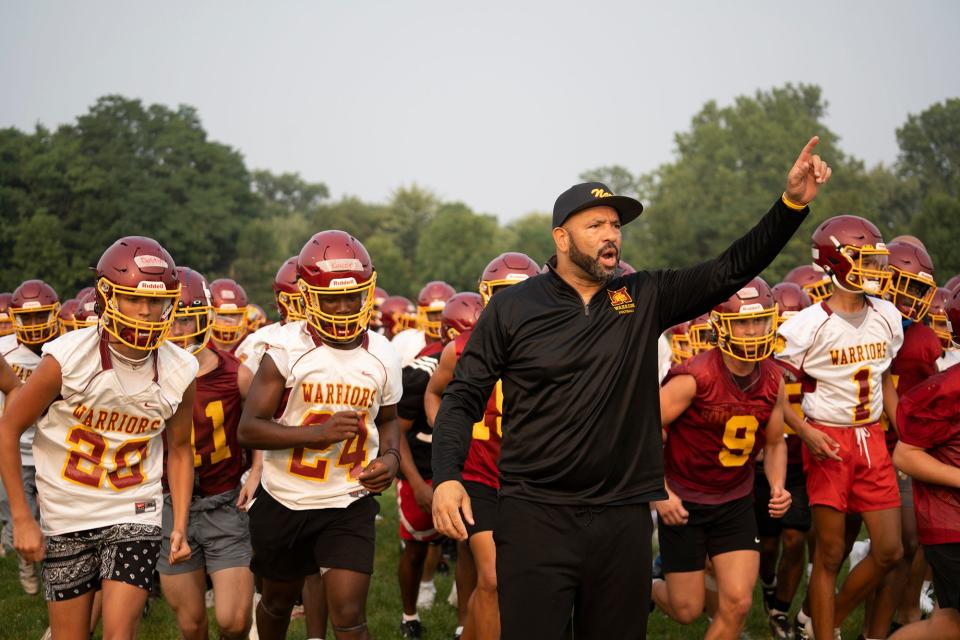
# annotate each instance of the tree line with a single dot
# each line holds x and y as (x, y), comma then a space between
(125, 168)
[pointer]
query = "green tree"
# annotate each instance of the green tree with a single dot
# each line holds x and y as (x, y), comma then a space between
(455, 246)
(930, 148)
(530, 234)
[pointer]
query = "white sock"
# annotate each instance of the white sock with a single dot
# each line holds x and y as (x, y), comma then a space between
(802, 617)
(407, 618)
(766, 585)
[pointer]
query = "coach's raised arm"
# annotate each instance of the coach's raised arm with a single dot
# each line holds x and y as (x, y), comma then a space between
(576, 350)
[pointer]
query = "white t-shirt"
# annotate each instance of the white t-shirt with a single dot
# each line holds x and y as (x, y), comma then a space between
(408, 345)
(98, 451)
(322, 381)
(948, 359)
(251, 350)
(24, 362)
(845, 360)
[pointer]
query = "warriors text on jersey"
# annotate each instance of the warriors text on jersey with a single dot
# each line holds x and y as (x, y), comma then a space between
(98, 453)
(711, 448)
(23, 361)
(321, 381)
(841, 362)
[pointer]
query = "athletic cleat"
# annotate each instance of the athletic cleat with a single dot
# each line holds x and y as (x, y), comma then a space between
(427, 595)
(801, 630)
(926, 598)
(411, 629)
(780, 628)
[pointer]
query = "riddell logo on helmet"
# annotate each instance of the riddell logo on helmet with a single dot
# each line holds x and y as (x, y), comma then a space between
(343, 282)
(152, 285)
(144, 261)
(31, 304)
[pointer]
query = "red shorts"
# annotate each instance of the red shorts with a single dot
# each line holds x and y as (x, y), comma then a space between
(415, 523)
(864, 480)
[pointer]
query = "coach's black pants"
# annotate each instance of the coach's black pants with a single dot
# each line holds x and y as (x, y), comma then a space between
(555, 561)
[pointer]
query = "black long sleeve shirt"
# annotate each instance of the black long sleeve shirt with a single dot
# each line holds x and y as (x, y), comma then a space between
(581, 403)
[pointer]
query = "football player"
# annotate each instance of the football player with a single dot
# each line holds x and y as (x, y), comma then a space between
(34, 308)
(230, 306)
(376, 320)
(937, 315)
(398, 314)
(842, 349)
(67, 315)
(719, 409)
(256, 318)
(929, 451)
(815, 282)
(101, 397)
(414, 493)
(780, 580)
(430, 302)
(9, 383)
(480, 471)
(323, 408)
(218, 532)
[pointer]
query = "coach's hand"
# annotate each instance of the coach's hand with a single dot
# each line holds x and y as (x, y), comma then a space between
(821, 445)
(377, 476)
(780, 500)
(28, 539)
(449, 499)
(343, 425)
(806, 175)
(671, 510)
(179, 549)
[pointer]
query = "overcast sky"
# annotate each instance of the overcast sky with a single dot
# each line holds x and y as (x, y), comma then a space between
(498, 104)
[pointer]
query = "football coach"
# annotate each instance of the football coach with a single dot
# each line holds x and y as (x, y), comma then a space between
(581, 459)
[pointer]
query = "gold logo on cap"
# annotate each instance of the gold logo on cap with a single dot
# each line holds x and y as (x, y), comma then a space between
(600, 193)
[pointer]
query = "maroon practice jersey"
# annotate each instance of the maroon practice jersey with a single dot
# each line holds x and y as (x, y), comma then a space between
(929, 417)
(218, 459)
(711, 448)
(916, 362)
(482, 461)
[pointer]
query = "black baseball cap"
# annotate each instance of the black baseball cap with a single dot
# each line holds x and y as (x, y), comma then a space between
(593, 194)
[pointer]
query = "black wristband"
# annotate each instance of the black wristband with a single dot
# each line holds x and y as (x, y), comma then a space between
(395, 452)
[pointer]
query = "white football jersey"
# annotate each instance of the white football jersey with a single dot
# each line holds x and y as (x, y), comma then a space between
(321, 381)
(251, 350)
(845, 362)
(664, 356)
(948, 359)
(408, 344)
(24, 362)
(98, 451)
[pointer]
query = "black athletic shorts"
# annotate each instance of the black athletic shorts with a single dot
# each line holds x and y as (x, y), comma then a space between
(290, 544)
(483, 501)
(797, 517)
(945, 561)
(711, 529)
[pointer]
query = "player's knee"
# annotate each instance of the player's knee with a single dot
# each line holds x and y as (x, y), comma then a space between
(793, 542)
(886, 554)
(736, 607)
(191, 626)
(687, 612)
(830, 554)
(234, 624)
(346, 614)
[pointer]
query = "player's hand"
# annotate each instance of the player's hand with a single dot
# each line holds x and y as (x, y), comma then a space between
(28, 539)
(179, 549)
(343, 425)
(780, 500)
(377, 476)
(449, 499)
(424, 497)
(247, 490)
(807, 174)
(821, 446)
(671, 510)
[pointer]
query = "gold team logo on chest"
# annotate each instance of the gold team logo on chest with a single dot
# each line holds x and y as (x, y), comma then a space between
(621, 301)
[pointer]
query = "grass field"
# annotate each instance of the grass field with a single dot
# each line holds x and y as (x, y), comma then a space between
(24, 617)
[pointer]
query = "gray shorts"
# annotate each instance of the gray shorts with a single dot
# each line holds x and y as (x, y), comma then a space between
(218, 534)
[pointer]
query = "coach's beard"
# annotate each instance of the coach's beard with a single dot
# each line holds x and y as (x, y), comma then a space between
(591, 265)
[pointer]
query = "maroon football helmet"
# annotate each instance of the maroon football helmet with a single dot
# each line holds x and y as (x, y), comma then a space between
(379, 297)
(34, 308)
(953, 283)
(86, 313)
(287, 292)
(505, 270)
(460, 314)
(745, 324)
(335, 268)
(701, 333)
(230, 303)
(911, 279)
(790, 298)
(256, 317)
(851, 251)
(67, 316)
(952, 309)
(679, 336)
(195, 303)
(937, 314)
(815, 282)
(136, 268)
(6, 320)
(398, 314)
(430, 302)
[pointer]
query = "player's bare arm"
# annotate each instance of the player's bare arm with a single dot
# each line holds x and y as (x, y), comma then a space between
(257, 430)
(821, 445)
(377, 476)
(180, 472)
(9, 382)
(890, 400)
(439, 381)
(775, 456)
(422, 492)
(23, 410)
(920, 465)
(244, 380)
